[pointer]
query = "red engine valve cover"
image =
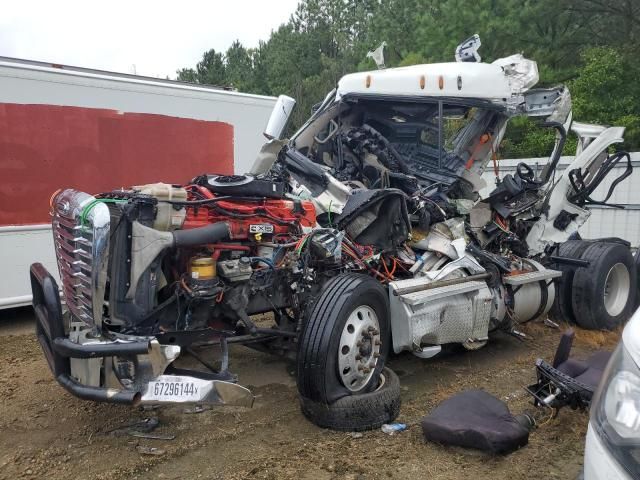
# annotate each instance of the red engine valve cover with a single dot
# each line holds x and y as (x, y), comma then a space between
(248, 218)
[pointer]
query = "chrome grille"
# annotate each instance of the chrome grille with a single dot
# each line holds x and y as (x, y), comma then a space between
(81, 238)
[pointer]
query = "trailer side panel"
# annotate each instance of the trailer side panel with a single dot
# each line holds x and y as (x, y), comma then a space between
(97, 149)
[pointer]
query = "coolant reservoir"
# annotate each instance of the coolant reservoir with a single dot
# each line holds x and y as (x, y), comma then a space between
(167, 217)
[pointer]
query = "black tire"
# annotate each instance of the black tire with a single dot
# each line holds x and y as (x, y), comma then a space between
(355, 413)
(562, 309)
(318, 377)
(589, 286)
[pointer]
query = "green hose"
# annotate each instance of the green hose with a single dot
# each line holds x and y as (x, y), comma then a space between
(93, 203)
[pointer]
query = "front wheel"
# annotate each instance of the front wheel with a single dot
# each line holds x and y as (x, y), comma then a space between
(356, 413)
(345, 340)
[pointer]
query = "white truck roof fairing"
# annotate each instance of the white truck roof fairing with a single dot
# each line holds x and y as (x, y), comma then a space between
(497, 82)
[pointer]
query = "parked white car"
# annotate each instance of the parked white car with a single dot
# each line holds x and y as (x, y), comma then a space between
(613, 440)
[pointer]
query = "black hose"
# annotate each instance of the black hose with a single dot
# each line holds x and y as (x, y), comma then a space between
(298, 163)
(258, 212)
(187, 203)
(557, 152)
(582, 191)
(201, 236)
(206, 201)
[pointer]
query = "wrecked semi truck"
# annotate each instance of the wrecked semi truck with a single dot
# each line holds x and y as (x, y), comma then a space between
(362, 234)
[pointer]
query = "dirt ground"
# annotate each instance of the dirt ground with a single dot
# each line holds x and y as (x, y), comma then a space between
(45, 432)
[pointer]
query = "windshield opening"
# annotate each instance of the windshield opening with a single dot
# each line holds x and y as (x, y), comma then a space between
(436, 140)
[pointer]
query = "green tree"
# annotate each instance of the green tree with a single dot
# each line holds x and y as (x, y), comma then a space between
(187, 75)
(239, 67)
(325, 39)
(609, 22)
(606, 91)
(210, 70)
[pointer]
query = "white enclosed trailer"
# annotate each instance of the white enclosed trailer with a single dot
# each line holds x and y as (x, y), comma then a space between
(86, 128)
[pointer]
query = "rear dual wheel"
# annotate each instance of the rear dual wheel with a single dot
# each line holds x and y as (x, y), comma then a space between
(341, 357)
(602, 295)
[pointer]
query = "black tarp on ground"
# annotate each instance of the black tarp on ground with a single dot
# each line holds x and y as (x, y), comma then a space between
(475, 419)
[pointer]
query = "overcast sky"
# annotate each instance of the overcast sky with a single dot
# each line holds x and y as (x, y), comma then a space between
(158, 37)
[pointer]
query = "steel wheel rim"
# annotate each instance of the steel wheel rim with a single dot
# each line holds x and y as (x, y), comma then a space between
(359, 348)
(616, 289)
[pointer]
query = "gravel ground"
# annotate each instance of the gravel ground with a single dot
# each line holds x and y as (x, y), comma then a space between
(45, 432)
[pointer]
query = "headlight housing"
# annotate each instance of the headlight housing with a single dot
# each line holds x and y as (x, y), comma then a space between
(615, 410)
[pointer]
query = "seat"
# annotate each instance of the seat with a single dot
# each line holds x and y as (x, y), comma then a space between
(589, 371)
(475, 419)
(568, 381)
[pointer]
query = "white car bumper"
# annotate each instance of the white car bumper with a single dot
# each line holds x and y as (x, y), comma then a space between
(599, 464)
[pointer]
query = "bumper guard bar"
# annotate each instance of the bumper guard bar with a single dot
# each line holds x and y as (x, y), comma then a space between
(58, 348)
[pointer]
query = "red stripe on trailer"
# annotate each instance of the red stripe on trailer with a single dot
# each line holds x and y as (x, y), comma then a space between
(46, 147)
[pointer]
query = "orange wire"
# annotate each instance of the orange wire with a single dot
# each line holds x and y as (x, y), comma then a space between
(51, 197)
(501, 222)
(384, 265)
(389, 273)
(352, 254)
(398, 263)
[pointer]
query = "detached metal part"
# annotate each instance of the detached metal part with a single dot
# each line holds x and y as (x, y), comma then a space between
(205, 391)
(553, 103)
(467, 51)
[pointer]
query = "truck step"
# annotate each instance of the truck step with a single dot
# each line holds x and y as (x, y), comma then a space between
(437, 293)
(530, 277)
